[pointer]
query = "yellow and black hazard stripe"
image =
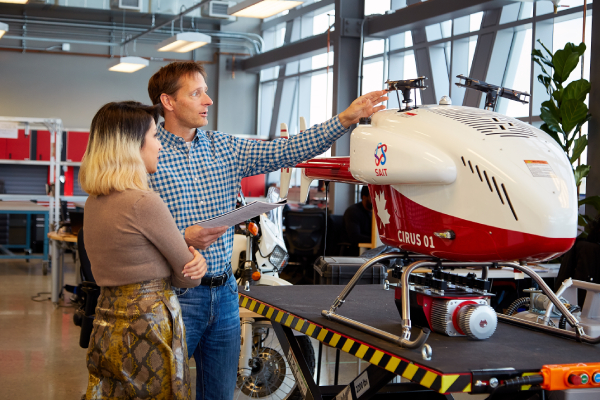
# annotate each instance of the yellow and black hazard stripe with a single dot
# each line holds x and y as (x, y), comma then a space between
(442, 383)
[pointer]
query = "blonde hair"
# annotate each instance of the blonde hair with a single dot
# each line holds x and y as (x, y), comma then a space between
(112, 160)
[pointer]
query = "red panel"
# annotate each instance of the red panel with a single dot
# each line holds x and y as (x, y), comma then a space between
(17, 149)
(3, 154)
(43, 146)
(254, 186)
(68, 185)
(330, 169)
(76, 145)
(411, 227)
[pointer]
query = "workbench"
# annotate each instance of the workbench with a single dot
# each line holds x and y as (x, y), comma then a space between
(456, 365)
(61, 241)
(28, 209)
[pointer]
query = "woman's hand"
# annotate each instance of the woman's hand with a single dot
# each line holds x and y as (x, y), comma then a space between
(196, 268)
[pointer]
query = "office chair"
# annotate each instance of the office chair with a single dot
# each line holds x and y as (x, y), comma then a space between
(337, 243)
(304, 232)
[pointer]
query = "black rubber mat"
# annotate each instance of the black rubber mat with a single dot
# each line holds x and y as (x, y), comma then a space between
(509, 347)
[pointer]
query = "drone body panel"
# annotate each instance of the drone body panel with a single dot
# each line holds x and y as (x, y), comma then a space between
(410, 226)
(504, 188)
(495, 183)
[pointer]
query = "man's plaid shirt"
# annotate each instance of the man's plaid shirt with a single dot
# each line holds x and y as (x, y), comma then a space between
(204, 182)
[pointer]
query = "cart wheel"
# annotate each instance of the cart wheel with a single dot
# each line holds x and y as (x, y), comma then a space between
(45, 268)
(27, 253)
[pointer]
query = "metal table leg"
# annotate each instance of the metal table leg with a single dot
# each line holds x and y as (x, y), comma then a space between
(304, 379)
(55, 271)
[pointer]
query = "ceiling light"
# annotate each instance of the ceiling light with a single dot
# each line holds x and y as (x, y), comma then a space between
(3, 28)
(184, 42)
(129, 64)
(14, 1)
(261, 8)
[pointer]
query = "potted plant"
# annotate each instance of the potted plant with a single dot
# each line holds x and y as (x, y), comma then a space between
(565, 113)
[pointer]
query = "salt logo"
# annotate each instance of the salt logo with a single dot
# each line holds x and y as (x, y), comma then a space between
(361, 384)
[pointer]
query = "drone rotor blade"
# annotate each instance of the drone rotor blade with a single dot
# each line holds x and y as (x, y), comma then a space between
(302, 124)
(286, 173)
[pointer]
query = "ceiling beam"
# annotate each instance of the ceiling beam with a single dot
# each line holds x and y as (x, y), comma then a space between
(298, 50)
(298, 12)
(426, 13)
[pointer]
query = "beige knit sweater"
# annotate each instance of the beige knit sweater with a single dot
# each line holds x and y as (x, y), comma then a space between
(131, 237)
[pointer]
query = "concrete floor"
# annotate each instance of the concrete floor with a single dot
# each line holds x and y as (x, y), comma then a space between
(40, 357)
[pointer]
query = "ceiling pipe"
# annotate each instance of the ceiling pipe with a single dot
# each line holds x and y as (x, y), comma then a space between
(175, 18)
(39, 39)
(108, 44)
(69, 53)
(256, 40)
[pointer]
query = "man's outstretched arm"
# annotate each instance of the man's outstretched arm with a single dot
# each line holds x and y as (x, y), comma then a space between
(258, 157)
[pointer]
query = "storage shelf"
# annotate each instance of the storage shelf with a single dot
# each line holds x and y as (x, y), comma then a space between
(74, 198)
(25, 197)
(26, 162)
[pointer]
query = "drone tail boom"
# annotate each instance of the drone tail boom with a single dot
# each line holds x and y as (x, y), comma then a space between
(334, 169)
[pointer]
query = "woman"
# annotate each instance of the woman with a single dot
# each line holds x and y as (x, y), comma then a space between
(137, 349)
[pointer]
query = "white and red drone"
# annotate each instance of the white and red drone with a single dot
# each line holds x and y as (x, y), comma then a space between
(459, 183)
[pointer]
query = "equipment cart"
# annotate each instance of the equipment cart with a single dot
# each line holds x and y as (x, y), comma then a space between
(456, 364)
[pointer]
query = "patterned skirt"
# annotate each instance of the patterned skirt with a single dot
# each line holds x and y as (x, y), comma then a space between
(137, 349)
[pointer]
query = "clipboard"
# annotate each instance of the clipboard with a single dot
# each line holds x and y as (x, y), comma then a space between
(241, 214)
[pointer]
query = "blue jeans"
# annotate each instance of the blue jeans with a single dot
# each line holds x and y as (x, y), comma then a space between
(212, 327)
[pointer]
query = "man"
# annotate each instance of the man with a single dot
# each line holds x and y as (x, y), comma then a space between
(199, 175)
(357, 221)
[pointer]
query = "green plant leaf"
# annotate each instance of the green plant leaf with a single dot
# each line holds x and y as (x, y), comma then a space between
(550, 120)
(568, 144)
(564, 62)
(571, 112)
(580, 49)
(549, 104)
(580, 145)
(582, 221)
(543, 60)
(577, 90)
(546, 81)
(581, 123)
(581, 172)
(553, 134)
(594, 201)
(545, 73)
(558, 96)
(545, 48)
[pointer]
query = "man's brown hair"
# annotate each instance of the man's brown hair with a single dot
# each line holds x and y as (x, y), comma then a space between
(166, 80)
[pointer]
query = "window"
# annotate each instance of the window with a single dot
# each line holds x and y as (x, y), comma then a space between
(372, 76)
(376, 6)
(518, 74)
(274, 37)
